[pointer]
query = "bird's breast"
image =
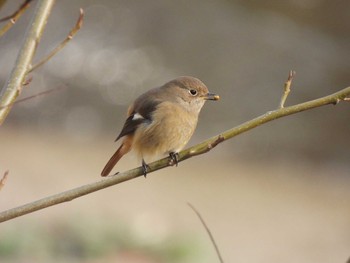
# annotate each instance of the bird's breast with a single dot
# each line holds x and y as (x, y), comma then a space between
(169, 131)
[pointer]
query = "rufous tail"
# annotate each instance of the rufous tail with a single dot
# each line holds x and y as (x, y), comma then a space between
(123, 149)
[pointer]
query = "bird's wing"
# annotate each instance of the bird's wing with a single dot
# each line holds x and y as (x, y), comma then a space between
(140, 112)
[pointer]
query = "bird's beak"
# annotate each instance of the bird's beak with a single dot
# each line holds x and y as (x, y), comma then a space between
(211, 96)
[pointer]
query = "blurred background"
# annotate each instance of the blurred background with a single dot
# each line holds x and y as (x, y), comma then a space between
(279, 193)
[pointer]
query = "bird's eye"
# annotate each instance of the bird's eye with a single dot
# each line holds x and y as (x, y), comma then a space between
(193, 92)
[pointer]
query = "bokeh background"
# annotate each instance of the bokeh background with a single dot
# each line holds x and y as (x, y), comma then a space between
(279, 193)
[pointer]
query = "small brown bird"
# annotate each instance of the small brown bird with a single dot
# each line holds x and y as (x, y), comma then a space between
(162, 120)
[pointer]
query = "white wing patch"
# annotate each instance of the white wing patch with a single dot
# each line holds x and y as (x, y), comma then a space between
(137, 116)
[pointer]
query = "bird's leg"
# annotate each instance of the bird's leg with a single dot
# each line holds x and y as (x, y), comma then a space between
(144, 167)
(174, 156)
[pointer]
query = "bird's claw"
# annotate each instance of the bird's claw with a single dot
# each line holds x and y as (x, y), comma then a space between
(145, 166)
(174, 158)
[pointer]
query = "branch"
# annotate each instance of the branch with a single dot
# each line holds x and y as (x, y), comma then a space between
(18, 11)
(70, 36)
(14, 17)
(43, 93)
(208, 231)
(198, 149)
(10, 92)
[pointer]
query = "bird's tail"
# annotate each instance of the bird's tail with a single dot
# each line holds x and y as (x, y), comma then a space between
(123, 149)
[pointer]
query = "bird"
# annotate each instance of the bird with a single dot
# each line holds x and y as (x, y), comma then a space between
(161, 121)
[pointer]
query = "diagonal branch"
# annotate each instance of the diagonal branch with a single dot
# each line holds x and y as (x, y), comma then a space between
(208, 231)
(14, 17)
(17, 12)
(43, 93)
(70, 36)
(198, 149)
(12, 89)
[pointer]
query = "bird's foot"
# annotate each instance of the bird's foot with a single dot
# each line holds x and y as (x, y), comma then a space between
(174, 158)
(145, 166)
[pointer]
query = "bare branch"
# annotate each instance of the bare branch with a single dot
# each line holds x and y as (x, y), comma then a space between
(201, 148)
(3, 180)
(70, 36)
(208, 231)
(12, 89)
(18, 11)
(14, 17)
(46, 92)
(287, 86)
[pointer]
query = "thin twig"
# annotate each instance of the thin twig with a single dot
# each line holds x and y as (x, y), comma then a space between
(208, 231)
(15, 14)
(46, 92)
(70, 36)
(14, 17)
(198, 149)
(3, 179)
(287, 86)
(12, 89)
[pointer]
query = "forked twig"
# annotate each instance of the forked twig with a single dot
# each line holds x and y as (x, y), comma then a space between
(208, 231)
(12, 89)
(14, 17)
(70, 36)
